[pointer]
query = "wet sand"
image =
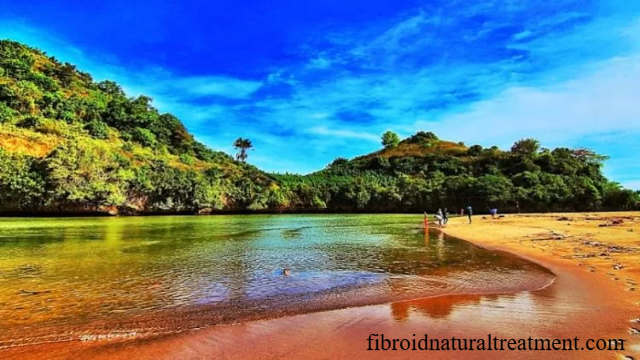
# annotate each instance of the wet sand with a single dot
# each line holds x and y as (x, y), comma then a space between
(584, 301)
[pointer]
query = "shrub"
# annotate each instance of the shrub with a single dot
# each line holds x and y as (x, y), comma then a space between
(187, 159)
(423, 138)
(49, 126)
(6, 113)
(29, 122)
(143, 136)
(97, 129)
(127, 146)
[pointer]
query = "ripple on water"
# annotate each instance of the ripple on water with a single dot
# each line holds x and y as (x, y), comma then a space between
(158, 274)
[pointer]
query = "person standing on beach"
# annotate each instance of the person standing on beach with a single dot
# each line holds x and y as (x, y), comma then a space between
(445, 216)
(440, 217)
(469, 213)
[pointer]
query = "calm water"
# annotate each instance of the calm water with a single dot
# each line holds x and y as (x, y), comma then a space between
(78, 278)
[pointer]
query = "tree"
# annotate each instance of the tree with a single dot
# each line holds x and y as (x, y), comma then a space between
(423, 138)
(242, 145)
(474, 150)
(390, 139)
(526, 147)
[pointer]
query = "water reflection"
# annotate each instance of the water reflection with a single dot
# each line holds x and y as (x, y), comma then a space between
(439, 307)
(64, 277)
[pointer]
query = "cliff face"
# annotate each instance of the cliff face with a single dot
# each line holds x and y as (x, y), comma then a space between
(71, 145)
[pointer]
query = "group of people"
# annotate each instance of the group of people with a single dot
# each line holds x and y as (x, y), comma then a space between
(442, 216)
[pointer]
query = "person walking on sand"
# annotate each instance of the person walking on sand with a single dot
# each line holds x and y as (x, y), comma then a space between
(469, 212)
(445, 216)
(440, 217)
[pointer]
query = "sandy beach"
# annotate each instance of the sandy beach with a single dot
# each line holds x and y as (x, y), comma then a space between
(595, 257)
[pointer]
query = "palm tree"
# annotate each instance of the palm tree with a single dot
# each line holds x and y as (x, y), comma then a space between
(242, 145)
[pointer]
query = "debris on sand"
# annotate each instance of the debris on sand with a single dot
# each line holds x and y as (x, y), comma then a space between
(579, 256)
(27, 292)
(618, 266)
(551, 235)
(611, 248)
(565, 218)
(612, 222)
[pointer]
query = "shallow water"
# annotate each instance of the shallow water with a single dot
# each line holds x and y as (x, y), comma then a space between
(85, 278)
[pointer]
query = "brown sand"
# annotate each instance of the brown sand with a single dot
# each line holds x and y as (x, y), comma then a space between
(589, 299)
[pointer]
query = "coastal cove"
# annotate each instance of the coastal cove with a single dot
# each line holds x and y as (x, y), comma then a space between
(75, 279)
(573, 305)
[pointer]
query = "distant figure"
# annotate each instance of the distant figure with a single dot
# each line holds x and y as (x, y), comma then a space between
(469, 213)
(286, 272)
(461, 212)
(445, 216)
(440, 217)
(426, 221)
(494, 213)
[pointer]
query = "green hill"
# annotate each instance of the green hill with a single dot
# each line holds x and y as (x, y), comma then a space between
(425, 173)
(69, 144)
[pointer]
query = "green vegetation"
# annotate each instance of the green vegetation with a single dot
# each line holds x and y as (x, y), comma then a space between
(69, 144)
(423, 172)
(242, 145)
(390, 139)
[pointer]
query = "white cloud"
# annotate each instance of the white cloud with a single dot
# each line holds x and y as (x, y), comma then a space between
(343, 133)
(215, 85)
(602, 101)
(320, 62)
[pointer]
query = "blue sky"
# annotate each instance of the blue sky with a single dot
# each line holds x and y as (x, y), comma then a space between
(311, 81)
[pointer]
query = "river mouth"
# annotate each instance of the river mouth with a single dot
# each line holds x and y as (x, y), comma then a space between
(103, 278)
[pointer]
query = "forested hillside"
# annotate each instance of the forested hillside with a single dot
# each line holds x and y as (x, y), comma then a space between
(69, 144)
(424, 172)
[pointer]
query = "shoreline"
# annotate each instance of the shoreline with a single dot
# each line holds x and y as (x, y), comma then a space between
(188, 213)
(579, 301)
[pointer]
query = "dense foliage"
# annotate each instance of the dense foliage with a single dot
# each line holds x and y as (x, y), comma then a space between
(70, 144)
(425, 173)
